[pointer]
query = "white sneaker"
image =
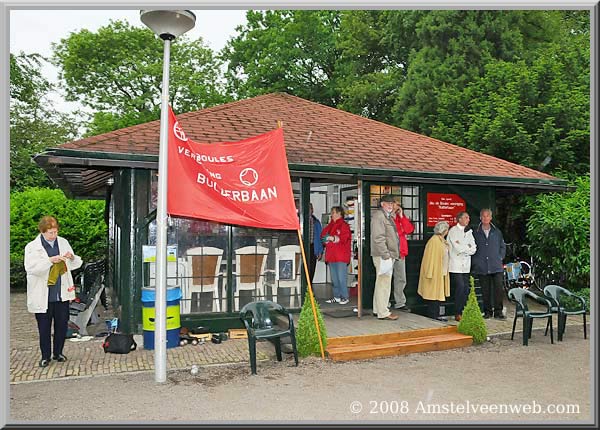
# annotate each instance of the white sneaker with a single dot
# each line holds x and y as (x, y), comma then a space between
(344, 301)
(333, 300)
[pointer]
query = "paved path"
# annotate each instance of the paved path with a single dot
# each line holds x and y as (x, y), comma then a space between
(87, 359)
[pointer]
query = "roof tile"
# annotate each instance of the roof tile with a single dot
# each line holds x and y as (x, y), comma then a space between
(314, 134)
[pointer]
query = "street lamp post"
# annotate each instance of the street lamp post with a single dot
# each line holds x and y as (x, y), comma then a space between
(167, 24)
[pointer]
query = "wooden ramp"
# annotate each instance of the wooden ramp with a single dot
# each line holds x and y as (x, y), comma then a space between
(399, 343)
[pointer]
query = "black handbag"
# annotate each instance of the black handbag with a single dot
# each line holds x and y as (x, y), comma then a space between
(119, 343)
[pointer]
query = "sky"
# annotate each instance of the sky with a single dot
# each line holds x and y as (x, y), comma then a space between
(33, 31)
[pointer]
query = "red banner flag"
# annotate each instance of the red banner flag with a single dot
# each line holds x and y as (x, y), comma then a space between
(242, 183)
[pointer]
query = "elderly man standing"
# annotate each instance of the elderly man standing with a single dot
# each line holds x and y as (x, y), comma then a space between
(486, 263)
(385, 248)
(462, 247)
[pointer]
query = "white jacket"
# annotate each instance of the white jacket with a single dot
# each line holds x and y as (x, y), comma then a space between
(37, 266)
(462, 246)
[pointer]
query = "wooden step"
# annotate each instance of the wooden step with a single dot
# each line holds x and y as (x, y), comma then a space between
(388, 344)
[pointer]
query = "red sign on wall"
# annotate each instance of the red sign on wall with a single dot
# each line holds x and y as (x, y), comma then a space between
(443, 207)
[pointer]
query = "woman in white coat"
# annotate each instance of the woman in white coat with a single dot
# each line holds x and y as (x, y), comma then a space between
(462, 246)
(49, 260)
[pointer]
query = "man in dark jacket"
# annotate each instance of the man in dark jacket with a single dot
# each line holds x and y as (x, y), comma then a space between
(487, 265)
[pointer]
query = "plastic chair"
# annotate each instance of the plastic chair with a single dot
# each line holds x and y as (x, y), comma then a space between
(287, 271)
(553, 293)
(204, 265)
(250, 262)
(258, 318)
(519, 296)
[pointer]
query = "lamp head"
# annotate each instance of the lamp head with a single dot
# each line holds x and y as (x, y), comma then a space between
(168, 24)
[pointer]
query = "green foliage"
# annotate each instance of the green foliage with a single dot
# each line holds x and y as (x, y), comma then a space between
(534, 113)
(571, 303)
(306, 333)
(117, 72)
(292, 51)
(472, 322)
(559, 232)
(81, 223)
(34, 125)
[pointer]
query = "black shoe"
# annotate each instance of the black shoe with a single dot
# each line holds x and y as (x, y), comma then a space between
(403, 309)
(499, 317)
(60, 358)
(44, 362)
(487, 316)
(442, 319)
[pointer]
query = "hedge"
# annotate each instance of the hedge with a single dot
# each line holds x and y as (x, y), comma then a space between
(81, 222)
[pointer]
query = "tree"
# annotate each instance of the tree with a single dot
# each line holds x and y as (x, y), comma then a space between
(472, 322)
(290, 51)
(34, 124)
(559, 232)
(454, 48)
(307, 338)
(533, 112)
(117, 73)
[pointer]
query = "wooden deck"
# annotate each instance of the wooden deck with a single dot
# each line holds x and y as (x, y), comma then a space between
(353, 338)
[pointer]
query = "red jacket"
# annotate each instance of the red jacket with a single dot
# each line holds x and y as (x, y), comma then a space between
(339, 250)
(404, 227)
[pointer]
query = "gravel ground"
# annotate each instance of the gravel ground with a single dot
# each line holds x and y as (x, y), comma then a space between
(462, 385)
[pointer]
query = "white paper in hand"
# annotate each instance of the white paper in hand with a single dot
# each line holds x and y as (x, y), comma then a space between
(386, 266)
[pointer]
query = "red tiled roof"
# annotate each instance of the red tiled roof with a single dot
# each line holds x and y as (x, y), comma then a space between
(314, 135)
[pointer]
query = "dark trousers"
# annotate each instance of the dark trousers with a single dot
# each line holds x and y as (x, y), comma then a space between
(460, 282)
(59, 313)
(312, 262)
(433, 308)
(493, 294)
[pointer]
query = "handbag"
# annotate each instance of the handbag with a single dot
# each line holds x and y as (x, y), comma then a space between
(119, 343)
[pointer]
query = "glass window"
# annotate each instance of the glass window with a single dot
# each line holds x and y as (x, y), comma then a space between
(410, 198)
(196, 262)
(267, 266)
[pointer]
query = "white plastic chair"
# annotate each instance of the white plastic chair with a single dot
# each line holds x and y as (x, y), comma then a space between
(250, 262)
(204, 265)
(284, 278)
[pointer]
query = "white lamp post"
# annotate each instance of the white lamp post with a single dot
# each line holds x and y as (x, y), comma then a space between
(167, 24)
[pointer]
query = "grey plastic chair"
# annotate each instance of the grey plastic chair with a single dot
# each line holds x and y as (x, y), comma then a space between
(554, 293)
(519, 296)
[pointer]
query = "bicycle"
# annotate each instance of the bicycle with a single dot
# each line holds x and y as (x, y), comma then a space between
(520, 273)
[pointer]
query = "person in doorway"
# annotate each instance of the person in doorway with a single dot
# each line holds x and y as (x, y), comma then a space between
(462, 247)
(434, 279)
(385, 248)
(403, 227)
(49, 260)
(316, 246)
(337, 238)
(486, 263)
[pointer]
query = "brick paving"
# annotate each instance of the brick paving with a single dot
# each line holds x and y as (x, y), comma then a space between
(87, 359)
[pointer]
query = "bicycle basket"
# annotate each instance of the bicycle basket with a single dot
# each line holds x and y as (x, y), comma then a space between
(513, 271)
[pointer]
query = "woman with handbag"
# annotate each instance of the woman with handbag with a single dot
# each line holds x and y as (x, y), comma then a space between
(49, 260)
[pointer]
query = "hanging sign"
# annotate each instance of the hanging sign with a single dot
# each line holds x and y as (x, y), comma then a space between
(443, 207)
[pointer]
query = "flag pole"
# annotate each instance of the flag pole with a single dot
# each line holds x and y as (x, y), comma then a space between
(310, 292)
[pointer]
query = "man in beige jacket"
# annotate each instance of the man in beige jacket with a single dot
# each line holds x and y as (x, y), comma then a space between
(385, 248)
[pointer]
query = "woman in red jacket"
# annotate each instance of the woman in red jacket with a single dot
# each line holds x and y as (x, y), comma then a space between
(337, 238)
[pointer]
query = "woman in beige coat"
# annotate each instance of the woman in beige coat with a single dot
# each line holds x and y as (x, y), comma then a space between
(434, 279)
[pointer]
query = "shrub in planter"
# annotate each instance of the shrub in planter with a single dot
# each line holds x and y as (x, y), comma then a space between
(472, 322)
(306, 332)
